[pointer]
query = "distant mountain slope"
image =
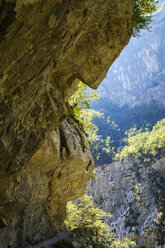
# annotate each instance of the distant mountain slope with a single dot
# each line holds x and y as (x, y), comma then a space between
(138, 75)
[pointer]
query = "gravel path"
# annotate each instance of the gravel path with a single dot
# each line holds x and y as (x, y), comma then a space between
(49, 242)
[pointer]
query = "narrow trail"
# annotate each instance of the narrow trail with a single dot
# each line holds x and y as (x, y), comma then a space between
(49, 242)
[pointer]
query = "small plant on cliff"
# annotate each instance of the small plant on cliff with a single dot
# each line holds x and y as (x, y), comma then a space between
(92, 220)
(80, 105)
(142, 13)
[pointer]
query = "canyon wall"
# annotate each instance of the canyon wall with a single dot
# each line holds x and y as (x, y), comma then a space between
(33, 199)
(133, 192)
(137, 76)
(46, 47)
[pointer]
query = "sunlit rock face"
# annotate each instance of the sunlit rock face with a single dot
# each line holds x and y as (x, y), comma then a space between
(33, 200)
(46, 47)
(133, 192)
(138, 76)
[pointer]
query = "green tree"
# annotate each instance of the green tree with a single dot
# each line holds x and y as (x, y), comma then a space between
(144, 145)
(142, 13)
(83, 215)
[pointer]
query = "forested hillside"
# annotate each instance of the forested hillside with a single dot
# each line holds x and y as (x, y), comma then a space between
(133, 92)
(144, 145)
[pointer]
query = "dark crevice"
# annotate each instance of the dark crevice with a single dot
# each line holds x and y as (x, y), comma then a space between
(59, 175)
(63, 142)
(85, 11)
(7, 16)
(89, 164)
(2, 224)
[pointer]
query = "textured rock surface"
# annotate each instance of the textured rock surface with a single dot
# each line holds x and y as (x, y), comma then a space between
(134, 194)
(46, 47)
(33, 200)
(137, 77)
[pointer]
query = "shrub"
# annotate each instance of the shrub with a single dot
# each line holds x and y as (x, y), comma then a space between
(83, 215)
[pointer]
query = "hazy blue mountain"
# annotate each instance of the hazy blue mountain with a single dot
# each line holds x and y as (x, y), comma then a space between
(138, 75)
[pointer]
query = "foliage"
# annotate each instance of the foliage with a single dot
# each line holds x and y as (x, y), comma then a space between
(126, 118)
(145, 144)
(84, 215)
(103, 150)
(122, 119)
(105, 136)
(80, 104)
(142, 13)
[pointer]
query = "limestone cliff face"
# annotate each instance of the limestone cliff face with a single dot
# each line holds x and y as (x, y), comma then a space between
(134, 194)
(46, 47)
(138, 76)
(33, 199)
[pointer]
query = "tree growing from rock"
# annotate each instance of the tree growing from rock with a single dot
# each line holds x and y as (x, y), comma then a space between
(142, 13)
